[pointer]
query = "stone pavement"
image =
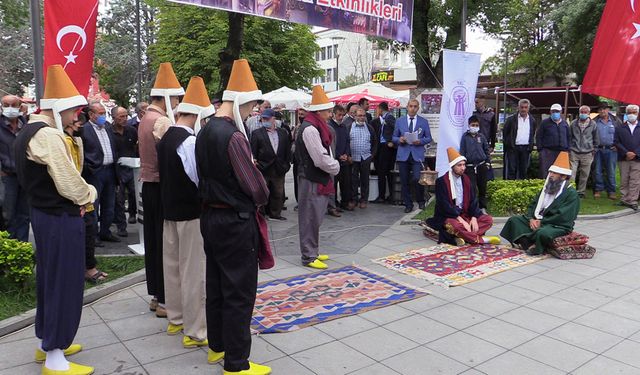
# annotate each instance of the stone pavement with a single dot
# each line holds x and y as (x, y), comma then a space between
(552, 317)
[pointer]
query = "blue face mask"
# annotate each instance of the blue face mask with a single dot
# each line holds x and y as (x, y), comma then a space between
(625, 117)
(101, 120)
(584, 116)
(555, 116)
(266, 124)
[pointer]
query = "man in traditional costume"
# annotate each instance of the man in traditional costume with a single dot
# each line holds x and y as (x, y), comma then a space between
(551, 214)
(231, 188)
(316, 167)
(58, 196)
(165, 96)
(183, 255)
(457, 217)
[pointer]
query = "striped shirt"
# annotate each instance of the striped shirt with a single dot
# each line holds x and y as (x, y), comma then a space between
(105, 143)
(250, 179)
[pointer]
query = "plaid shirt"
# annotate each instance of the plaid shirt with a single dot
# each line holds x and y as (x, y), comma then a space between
(105, 143)
(360, 142)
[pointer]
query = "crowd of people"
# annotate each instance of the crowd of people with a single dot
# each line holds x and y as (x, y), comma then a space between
(212, 170)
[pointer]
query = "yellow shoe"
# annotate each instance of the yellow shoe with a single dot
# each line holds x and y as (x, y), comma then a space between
(214, 357)
(494, 240)
(323, 257)
(254, 369)
(188, 342)
(71, 350)
(74, 369)
(174, 329)
(317, 264)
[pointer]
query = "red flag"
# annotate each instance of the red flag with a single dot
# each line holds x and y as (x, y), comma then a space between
(613, 66)
(69, 38)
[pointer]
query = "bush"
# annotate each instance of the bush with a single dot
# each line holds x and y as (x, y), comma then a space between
(513, 196)
(16, 259)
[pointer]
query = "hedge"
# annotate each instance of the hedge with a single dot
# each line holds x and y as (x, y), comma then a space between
(16, 259)
(513, 196)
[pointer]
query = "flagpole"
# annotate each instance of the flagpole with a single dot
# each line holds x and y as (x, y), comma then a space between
(139, 52)
(36, 41)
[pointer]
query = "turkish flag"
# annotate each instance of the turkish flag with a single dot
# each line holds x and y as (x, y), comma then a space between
(613, 67)
(69, 38)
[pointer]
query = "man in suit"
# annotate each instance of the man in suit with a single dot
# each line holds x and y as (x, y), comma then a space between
(364, 104)
(100, 167)
(627, 142)
(410, 155)
(518, 137)
(384, 124)
(271, 149)
(141, 109)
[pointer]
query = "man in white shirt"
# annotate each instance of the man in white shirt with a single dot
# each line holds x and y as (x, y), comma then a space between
(518, 138)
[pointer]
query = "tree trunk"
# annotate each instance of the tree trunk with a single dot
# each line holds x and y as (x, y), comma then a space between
(424, 68)
(232, 51)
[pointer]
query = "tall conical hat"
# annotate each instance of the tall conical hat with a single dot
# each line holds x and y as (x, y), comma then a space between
(167, 85)
(319, 100)
(196, 101)
(454, 157)
(241, 89)
(60, 93)
(562, 165)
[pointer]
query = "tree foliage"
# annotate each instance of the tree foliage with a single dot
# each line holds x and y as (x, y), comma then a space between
(16, 59)
(116, 55)
(351, 80)
(191, 38)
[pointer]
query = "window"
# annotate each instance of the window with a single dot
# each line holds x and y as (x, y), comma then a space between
(317, 55)
(335, 50)
(330, 52)
(329, 75)
(323, 53)
(335, 74)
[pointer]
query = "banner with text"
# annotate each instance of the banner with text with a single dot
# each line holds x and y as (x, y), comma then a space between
(390, 19)
(460, 76)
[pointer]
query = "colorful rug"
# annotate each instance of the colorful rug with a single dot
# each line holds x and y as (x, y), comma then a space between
(447, 265)
(289, 304)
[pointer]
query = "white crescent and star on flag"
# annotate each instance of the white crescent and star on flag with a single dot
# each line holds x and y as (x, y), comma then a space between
(81, 36)
(636, 25)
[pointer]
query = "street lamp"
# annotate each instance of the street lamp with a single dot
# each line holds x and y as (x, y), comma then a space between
(333, 39)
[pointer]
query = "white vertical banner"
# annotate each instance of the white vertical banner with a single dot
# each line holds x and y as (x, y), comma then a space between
(460, 76)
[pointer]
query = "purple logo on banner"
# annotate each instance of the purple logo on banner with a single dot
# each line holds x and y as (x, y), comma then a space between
(391, 19)
(459, 100)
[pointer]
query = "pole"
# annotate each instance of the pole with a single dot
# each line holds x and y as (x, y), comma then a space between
(337, 67)
(36, 41)
(139, 51)
(463, 26)
(505, 82)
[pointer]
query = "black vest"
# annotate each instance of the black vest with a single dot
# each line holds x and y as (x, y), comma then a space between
(35, 179)
(218, 182)
(179, 194)
(306, 168)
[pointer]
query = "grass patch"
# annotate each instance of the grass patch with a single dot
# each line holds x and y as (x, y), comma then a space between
(588, 206)
(15, 300)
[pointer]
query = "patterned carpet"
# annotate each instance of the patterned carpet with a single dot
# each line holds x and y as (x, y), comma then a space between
(289, 304)
(448, 265)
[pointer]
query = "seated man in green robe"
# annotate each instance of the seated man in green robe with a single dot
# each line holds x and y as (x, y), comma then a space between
(552, 213)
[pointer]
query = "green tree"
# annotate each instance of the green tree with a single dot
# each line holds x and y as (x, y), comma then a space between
(16, 59)
(14, 13)
(351, 80)
(116, 55)
(194, 39)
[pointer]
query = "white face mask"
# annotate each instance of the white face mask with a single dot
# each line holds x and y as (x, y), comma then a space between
(632, 118)
(474, 129)
(10, 112)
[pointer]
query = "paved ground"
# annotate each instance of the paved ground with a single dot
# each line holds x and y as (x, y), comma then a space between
(552, 317)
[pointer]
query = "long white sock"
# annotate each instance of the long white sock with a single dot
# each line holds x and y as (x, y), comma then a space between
(56, 360)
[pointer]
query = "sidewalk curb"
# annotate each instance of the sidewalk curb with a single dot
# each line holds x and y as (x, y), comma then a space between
(408, 219)
(27, 318)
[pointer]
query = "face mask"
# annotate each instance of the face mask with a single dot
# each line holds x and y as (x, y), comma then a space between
(77, 133)
(10, 112)
(632, 118)
(101, 120)
(555, 116)
(266, 124)
(474, 129)
(584, 116)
